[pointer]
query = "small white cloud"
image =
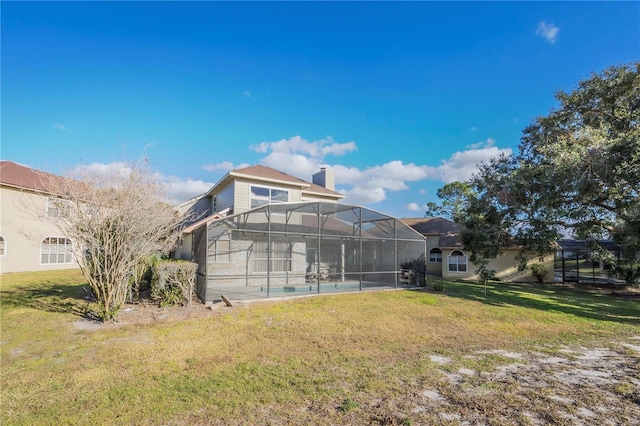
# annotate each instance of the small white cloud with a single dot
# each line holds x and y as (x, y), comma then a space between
(547, 31)
(61, 127)
(225, 166)
(423, 192)
(473, 128)
(246, 94)
(482, 144)
(413, 207)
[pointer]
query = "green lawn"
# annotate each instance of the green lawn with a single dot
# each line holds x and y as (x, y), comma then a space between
(393, 357)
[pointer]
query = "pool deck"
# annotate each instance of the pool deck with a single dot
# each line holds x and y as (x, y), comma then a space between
(257, 293)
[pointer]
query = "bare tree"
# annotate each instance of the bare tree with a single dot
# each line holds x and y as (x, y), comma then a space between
(118, 219)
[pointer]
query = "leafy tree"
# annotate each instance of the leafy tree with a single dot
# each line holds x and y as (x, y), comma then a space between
(455, 198)
(117, 221)
(577, 172)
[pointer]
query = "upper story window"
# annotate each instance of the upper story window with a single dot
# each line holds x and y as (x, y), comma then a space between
(3, 246)
(457, 261)
(56, 250)
(435, 255)
(261, 196)
(53, 208)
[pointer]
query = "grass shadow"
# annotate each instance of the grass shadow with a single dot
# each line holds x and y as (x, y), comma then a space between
(49, 296)
(590, 303)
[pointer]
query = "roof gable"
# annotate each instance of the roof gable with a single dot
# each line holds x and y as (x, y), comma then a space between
(267, 173)
(270, 175)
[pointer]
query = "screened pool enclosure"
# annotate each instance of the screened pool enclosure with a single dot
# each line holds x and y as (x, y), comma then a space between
(305, 248)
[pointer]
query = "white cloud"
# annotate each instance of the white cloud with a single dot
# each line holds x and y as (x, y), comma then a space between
(463, 164)
(225, 166)
(482, 144)
(175, 189)
(547, 31)
(246, 94)
(298, 156)
(61, 127)
(413, 207)
(178, 190)
(473, 128)
(302, 158)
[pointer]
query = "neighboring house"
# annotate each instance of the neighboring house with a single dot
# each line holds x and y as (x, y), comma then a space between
(447, 258)
(29, 239)
(263, 232)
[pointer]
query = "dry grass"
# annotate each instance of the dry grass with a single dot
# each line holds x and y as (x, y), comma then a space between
(524, 355)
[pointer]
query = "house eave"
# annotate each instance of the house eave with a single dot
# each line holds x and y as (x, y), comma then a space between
(336, 196)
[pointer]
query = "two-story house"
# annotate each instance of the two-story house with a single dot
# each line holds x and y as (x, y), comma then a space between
(243, 189)
(29, 239)
(259, 231)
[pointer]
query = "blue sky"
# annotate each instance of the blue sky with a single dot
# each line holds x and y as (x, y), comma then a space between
(398, 98)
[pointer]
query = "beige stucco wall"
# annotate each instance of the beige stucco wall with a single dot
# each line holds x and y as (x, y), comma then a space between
(24, 225)
(433, 268)
(506, 267)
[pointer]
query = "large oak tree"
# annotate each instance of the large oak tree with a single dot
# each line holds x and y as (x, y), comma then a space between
(576, 173)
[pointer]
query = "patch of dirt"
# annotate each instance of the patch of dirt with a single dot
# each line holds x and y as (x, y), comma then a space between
(147, 312)
(587, 386)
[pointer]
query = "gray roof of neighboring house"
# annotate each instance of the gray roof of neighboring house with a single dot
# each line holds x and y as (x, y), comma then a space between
(587, 245)
(19, 176)
(448, 231)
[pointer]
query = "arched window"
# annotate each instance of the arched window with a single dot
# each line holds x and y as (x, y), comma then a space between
(457, 261)
(55, 250)
(3, 246)
(435, 255)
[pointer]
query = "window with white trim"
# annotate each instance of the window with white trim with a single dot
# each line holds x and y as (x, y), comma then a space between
(3, 246)
(435, 255)
(280, 257)
(55, 250)
(457, 261)
(261, 195)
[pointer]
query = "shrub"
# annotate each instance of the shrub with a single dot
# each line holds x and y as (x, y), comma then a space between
(629, 273)
(539, 272)
(438, 286)
(175, 283)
